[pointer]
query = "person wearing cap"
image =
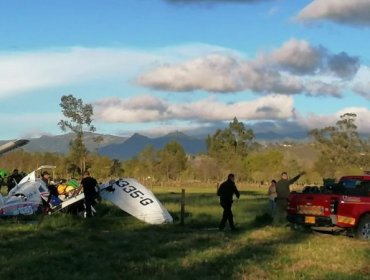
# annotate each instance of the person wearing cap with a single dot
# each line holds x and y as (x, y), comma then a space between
(226, 191)
(88, 184)
(13, 179)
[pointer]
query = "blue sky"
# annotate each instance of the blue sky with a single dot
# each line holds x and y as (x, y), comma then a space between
(155, 66)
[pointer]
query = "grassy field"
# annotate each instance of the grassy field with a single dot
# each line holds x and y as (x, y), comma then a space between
(114, 245)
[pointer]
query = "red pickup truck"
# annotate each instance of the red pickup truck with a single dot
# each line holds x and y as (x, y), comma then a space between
(343, 206)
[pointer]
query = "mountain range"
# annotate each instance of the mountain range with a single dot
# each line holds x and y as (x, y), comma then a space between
(133, 145)
(124, 148)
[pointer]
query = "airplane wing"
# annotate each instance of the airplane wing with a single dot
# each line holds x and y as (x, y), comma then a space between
(11, 145)
(135, 199)
(69, 202)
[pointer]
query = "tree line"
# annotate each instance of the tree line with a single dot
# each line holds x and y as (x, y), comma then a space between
(333, 151)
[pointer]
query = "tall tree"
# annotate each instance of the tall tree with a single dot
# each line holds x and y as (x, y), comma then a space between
(98, 140)
(230, 147)
(78, 120)
(341, 146)
(148, 159)
(172, 160)
(234, 139)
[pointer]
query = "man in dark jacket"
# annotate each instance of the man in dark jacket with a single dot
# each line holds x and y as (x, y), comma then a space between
(88, 184)
(226, 191)
(282, 192)
(13, 179)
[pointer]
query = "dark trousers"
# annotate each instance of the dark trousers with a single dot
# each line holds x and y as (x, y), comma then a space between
(280, 215)
(227, 215)
(89, 202)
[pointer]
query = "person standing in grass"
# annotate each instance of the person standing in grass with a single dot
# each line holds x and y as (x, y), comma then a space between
(226, 192)
(88, 184)
(282, 192)
(272, 197)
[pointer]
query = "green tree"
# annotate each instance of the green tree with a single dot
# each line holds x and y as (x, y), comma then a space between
(116, 169)
(205, 168)
(78, 120)
(341, 146)
(148, 159)
(99, 166)
(143, 165)
(235, 139)
(230, 147)
(265, 165)
(172, 160)
(98, 140)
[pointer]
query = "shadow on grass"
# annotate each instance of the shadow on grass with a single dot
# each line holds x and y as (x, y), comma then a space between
(117, 246)
(227, 265)
(109, 248)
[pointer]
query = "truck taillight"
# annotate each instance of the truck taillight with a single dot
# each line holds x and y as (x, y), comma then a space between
(333, 206)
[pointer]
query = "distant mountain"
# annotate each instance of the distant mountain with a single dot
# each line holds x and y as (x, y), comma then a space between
(126, 148)
(60, 143)
(137, 142)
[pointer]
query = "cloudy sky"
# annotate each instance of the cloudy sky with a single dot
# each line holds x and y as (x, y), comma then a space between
(155, 66)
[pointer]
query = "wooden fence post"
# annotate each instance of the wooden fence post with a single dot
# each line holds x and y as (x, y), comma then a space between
(182, 207)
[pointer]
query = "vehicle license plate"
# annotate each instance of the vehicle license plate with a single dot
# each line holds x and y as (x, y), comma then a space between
(309, 220)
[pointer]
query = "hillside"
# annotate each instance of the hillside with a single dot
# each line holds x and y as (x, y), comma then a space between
(60, 143)
(137, 142)
(125, 148)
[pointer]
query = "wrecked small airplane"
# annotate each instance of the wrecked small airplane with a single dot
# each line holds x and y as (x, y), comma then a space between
(31, 197)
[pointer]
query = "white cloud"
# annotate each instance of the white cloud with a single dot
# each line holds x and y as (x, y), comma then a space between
(362, 119)
(319, 88)
(353, 12)
(298, 56)
(217, 73)
(361, 83)
(29, 71)
(296, 67)
(312, 121)
(362, 89)
(178, 68)
(293, 124)
(150, 109)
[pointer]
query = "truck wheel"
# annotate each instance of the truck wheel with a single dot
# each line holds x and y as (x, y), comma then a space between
(363, 229)
(299, 227)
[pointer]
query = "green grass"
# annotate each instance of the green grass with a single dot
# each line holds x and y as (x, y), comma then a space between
(117, 246)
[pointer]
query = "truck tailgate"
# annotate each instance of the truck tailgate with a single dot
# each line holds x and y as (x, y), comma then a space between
(312, 209)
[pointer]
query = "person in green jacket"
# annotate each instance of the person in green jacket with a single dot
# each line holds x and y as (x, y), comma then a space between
(282, 192)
